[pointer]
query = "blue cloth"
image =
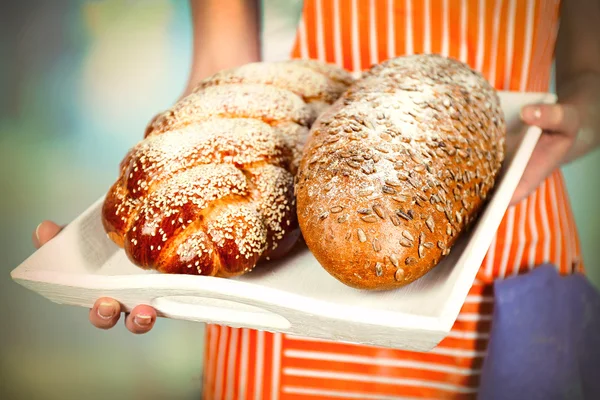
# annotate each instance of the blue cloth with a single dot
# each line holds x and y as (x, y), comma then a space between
(545, 339)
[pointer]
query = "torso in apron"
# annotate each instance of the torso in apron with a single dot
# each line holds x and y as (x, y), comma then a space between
(512, 43)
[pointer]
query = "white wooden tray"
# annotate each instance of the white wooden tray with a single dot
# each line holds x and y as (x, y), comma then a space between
(294, 295)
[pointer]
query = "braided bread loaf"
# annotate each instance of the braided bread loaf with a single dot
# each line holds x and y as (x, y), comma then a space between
(209, 190)
(394, 172)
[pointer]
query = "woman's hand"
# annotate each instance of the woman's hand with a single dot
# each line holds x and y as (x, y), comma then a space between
(106, 312)
(572, 127)
(560, 124)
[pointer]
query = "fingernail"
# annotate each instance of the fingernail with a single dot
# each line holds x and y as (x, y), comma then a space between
(106, 310)
(37, 233)
(142, 320)
(531, 113)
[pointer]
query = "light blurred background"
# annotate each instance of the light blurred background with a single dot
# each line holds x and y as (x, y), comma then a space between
(79, 80)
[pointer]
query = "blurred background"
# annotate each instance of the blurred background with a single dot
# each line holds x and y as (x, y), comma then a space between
(79, 80)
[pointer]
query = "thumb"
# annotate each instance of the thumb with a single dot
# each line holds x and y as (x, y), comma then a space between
(561, 118)
(44, 233)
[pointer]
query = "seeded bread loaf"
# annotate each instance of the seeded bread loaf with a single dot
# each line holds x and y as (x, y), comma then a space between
(397, 168)
(209, 190)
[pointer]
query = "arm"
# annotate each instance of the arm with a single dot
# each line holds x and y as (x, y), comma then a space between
(223, 36)
(571, 127)
(578, 70)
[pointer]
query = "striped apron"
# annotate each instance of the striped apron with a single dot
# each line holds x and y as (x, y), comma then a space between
(512, 43)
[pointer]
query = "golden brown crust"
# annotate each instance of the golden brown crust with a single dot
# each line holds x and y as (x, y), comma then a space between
(394, 172)
(269, 104)
(210, 190)
(297, 76)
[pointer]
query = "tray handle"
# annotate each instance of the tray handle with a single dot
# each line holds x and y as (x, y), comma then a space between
(219, 311)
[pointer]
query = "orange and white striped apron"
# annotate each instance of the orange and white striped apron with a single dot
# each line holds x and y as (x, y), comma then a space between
(511, 42)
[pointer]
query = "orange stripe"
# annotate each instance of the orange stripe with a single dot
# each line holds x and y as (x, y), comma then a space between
(208, 362)
(233, 351)
(228, 361)
(238, 365)
(482, 274)
(465, 344)
(573, 234)
(369, 351)
(341, 395)
(295, 53)
(376, 370)
(364, 33)
(252, 356)
(481, 290)
(267, 369)
(454, 12)
(327, 14)
(501, 58)
(512, 256)
(555, 226)
(221, 367)
(473, 326)
(500, 238)
(545, 235)
(526, 242)
(436, 26)
(474, 308)
(567, 251)
(537, 41)
(542, 76)
(345, 18)
(581, 265)
(214, 353)
(564, 227)
(524, 263)
(418, 25)
(539, 250)
(518, 46)
(472, 31)
(553, 28)
(544, 44)
(508, 244)
(311, 27)
(534, 225)
(463, 24)
(489, 36)
(400, 26)
(549, 232)
(534, 44)
(516, 259)
(379, 388)
(210, 372)
(381, 28)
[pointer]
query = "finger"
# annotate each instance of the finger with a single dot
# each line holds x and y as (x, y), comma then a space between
(44, 232)
(105, 313)
(562, 118)
(546, 157)
(141, 319)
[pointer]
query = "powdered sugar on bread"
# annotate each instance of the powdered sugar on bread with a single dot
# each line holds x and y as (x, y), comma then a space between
(210, 189)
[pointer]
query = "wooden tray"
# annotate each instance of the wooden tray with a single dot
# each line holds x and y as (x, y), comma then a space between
(294, 295)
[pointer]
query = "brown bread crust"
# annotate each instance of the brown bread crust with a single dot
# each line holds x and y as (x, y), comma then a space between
(209, 190)
(397, 168)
